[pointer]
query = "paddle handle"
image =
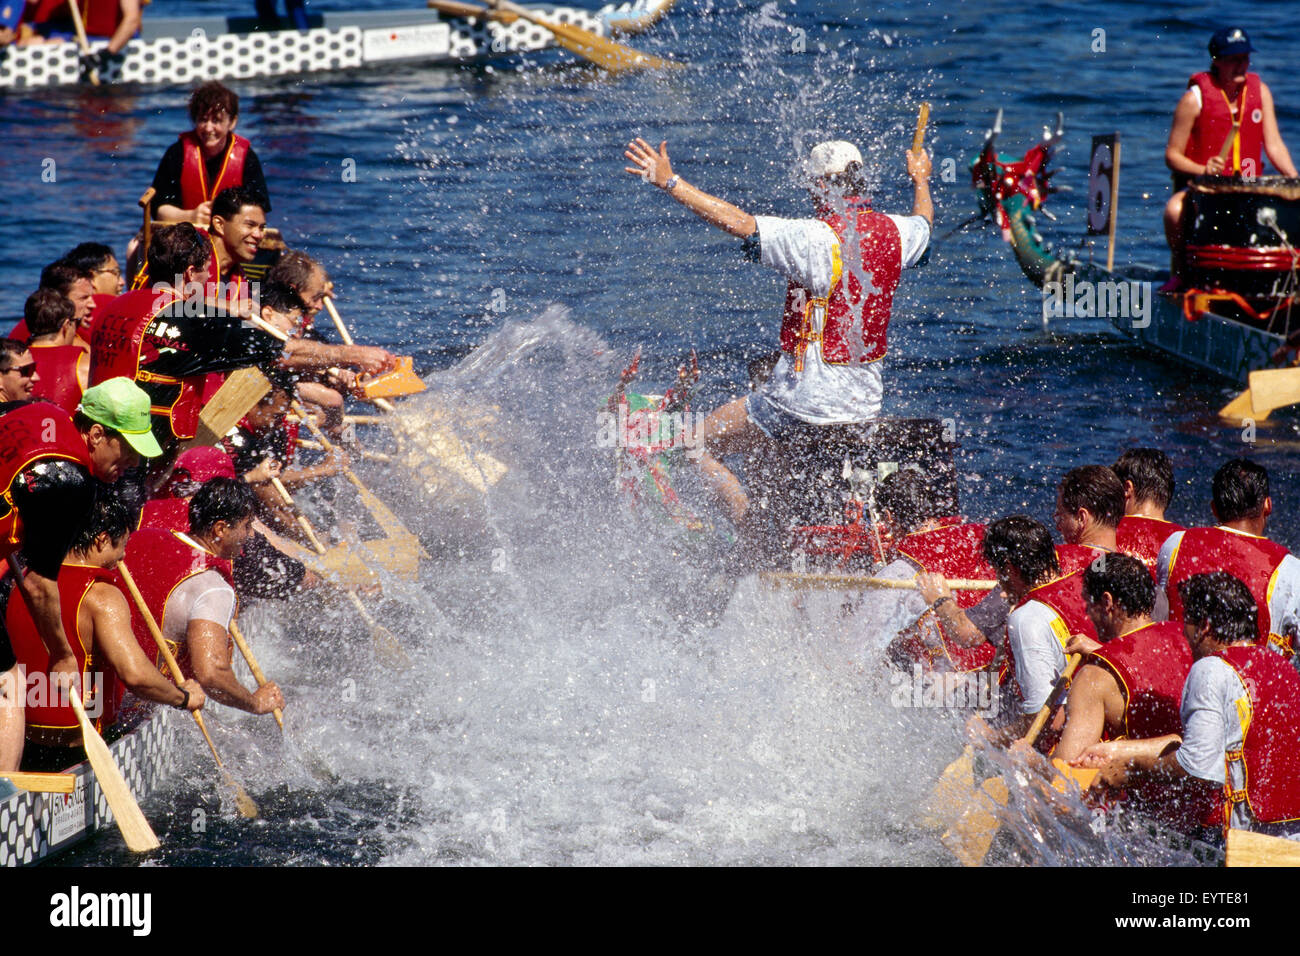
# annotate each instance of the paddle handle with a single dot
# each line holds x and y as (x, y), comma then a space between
(338, 320)
(303, 523)
(922, 118)
(41, 782)
(1227, 143)
(848, 581)
(175, 669)
(253, 666)
(82, 41)
(1045, 712)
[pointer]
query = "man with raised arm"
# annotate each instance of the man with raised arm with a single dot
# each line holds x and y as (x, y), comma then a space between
(843, 267)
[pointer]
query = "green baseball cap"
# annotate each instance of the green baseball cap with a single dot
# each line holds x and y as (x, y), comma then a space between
(123, 406)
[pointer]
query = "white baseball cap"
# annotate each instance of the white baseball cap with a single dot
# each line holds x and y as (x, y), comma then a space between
(832, 158)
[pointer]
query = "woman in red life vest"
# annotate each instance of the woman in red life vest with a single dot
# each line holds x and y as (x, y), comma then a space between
(1240, 708)
(843, 267)
(185, 580)
(61, 365)
(1226, 108)
(97, 620)
(206, 160)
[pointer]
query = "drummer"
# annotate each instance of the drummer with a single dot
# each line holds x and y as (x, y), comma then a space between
(1219, 127)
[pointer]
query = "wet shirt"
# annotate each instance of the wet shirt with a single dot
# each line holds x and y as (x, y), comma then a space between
(1032, 637)
(824, 394)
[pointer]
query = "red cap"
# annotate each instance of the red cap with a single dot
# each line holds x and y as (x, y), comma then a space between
(204, 462)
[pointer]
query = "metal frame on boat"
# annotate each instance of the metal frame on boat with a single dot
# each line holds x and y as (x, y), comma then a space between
(188, 50)
(36, 826)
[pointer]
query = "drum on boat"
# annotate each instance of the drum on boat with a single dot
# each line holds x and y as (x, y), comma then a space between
(1242, 236)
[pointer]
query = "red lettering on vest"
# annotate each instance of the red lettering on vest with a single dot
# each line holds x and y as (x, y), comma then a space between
(1251, 560)
(75, 581)
(1142, 537)
(858, 306)
(1213, 124)
(195, 187)
(160, 561)
(56, 366)
(1270, 749)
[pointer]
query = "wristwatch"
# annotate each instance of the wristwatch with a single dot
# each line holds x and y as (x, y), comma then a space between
(184, 704)
(938, 602)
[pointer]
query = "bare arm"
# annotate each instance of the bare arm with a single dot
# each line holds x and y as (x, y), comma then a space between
(655, 167)
(128, 27)
(210, 654)
(1121, 760)
(1176, 149)
(42, 596)
(110, 620)
(918, 168)
(1089, 708)
(201, 215)
(308, 354)
(1274, 148)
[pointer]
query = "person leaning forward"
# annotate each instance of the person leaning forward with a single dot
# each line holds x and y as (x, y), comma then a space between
(843, 267)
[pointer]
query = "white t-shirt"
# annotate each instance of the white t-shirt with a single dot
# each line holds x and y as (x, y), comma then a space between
(824, 394)
(886, 612)
(1211, 728)
(1032, 631)
(1284, 598)
(203, 597)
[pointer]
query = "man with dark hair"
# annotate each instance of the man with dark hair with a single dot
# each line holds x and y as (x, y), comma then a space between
(48, 464)
(1047, 610)
(1132, 683)
(1242, 505)
(165, 340)
(97, 617)
(62, 367)
(18, 373)
(76, 284)
(934, 625)
(238, 223)
(185, 579)
(843, 268)
(105, 271)
(1234, 686)
(206, 160)
(1089, 506)
(1147, 475)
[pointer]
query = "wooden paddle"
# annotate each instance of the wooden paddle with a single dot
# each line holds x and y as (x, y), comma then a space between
(241, 390)
(592, 47)
(973, 822)
(253, 666)
(848, 582)
(1255, 849)
(82, 41)
(137, 833)
(923, 117)
(247, 808)
(386, 644)
(42, 782)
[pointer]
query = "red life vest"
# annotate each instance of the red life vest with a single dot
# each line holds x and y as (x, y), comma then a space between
(955, 551)
(57, 367)
(856, 318)
(195, 188)
(169, 514)
(1141, 537)
(1151, 665)
(159, 561)
(1251, 560)
(126, 341)
(1077, 557)
(75, 581)
(101, 17)
(1214, 124)
(1270, 750)
(27, 435)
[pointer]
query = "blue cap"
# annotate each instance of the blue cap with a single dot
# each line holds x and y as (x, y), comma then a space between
(1230, 41)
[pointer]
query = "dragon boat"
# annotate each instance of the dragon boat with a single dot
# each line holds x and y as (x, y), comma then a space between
(188, 50)
(1238, 315)
(35, 826)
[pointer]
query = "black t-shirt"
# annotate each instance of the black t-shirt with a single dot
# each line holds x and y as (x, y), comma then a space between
(167, 180)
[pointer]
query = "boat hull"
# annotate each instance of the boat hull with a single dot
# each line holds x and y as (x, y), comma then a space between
(189, 50)
(37, 826)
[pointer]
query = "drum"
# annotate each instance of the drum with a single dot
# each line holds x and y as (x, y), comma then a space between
(1241, 236)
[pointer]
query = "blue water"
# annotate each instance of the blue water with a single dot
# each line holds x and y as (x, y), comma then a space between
(484, 195)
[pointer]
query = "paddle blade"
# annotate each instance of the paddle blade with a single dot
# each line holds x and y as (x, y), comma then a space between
(387, 648)
(1273, 388)
(42, 782)
(971, 836)
(1240, 408)
(951, 793)
(137, 833)
(1256, 849)
(238, 394)
(402, 380)
(245, 804)
(1082, 777)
